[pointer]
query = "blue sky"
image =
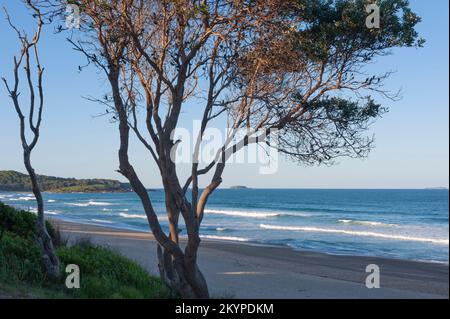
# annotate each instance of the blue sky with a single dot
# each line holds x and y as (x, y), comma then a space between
(411, 140)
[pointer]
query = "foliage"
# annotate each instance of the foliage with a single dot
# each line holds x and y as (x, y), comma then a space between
(104, 273)
(20, 260)
(23, 224)
(15, 181)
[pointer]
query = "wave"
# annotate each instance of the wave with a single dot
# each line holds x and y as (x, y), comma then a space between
(356, 233)
(125, 215)
(90, 203)
(24, 198)
(221, 229)
(51, 201)
(78, 204)
(225, 238)
(107, 210)
(366, 223)
(103, 221)
(241, 213)
(47, 212)
(253, 214)
(94, 203)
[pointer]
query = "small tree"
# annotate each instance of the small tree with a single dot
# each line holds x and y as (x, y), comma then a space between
(28, 53)
(295, 66)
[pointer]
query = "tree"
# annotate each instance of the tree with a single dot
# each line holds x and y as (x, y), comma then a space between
(294, 66)
(29, 59)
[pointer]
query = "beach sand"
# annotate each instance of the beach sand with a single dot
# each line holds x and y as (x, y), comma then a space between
(242, 270)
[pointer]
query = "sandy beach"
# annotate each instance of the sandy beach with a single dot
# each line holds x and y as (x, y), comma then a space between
(243, 270)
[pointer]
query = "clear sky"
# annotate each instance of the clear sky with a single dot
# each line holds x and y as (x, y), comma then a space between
(412, 140)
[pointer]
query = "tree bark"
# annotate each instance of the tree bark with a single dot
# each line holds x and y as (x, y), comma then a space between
(49, 257)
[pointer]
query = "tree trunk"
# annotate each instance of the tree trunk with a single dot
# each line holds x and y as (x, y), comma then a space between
(49, 257)
(183, 277)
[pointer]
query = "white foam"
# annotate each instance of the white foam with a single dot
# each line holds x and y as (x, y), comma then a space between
(356, 233)
(124, 215)
(224, 238)
(94, 203)
(366, 222)
(241, 213)
(103, 221)
(78, 204)
(255, 214)
(23, 198)
(51, 201)
(90, 203)
(47, 212)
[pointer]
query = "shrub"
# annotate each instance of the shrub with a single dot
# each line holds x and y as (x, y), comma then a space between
(107, 274)
(23, 224)
(20, 260)
(104, 273)
(18, 222)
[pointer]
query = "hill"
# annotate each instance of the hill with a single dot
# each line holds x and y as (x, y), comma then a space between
(15, 181)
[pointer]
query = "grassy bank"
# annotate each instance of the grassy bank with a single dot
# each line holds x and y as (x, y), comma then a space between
(103, 273)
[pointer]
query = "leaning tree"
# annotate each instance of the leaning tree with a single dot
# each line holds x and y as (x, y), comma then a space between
(294, 66)
(31, 116)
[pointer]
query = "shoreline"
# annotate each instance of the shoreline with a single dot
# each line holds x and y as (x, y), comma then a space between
(241, 242)
(253, 270)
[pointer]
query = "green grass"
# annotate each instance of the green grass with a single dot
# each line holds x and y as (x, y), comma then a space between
(103, 272)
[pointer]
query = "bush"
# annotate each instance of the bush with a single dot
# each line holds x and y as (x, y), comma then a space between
(23, 224)
(20, 260)
(18, 222)
(106, 274)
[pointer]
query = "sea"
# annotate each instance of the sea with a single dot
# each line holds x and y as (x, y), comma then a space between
(401, 224)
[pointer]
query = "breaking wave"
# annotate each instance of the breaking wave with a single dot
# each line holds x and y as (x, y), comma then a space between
(366, 223)
(232, 238)
(23, 198)
(90, 203)
(103, 221)
(125, 215)
(252, 214)
(47, 212)
(357, 233)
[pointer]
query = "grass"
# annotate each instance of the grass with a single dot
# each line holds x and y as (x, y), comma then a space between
(103, 272)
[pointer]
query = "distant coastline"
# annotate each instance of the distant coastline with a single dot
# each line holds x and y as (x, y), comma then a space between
(19, 182)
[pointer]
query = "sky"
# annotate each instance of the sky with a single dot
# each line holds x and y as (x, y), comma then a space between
(412, 140)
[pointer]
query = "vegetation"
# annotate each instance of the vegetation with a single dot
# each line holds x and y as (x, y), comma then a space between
(15, 181)
(104, 273)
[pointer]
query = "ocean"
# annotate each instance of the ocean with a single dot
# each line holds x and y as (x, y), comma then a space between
(403, 224)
